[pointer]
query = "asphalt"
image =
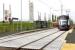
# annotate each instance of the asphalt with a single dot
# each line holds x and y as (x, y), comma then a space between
(71, 37)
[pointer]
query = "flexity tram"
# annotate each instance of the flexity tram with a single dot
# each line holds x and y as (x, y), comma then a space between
(64, 22)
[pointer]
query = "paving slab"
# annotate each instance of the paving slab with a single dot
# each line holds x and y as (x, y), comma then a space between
(16, 43)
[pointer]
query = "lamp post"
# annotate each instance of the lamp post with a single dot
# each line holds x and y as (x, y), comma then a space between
(61, 5)
(67, 12)
(21, 15)
(50, 14)
(3, 12)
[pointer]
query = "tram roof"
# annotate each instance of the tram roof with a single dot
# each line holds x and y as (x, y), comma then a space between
(64, 16)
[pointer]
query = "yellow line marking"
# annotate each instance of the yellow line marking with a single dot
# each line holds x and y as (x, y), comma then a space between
(68, 46)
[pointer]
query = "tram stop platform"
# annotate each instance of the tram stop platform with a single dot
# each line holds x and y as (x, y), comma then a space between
(70, 41)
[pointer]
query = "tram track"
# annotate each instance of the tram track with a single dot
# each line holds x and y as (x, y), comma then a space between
(40, 42)
(17, 43)
(34, 41)
(37, 40)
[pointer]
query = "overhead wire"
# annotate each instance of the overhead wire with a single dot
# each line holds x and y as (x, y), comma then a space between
(44, 3)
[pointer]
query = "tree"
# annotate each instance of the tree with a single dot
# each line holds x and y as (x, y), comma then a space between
(52, 18)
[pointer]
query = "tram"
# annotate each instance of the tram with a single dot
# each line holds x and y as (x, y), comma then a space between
(63, 22)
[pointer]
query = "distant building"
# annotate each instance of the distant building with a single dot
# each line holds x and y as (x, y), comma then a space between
(31, 11)
(7, 14)
(39, 16)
